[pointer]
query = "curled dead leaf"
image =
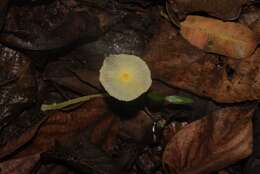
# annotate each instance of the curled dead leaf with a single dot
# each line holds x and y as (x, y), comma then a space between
(212, 143)
(226, 38)
(228, 10)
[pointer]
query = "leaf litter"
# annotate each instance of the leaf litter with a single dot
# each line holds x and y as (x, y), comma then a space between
(205, 121)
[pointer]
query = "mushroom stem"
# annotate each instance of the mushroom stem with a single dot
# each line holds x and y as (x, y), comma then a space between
(55, 106)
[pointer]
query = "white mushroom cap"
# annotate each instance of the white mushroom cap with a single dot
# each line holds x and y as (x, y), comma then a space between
(125, 77)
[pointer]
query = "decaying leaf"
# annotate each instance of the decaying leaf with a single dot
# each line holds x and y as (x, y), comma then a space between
(223, 172)
(80, 80)
(12, 143)
(61, 25)
(84, 157)
(228, 10)
(212, 143)
(252, 166)
(256, 29)
(142, 3)
(251, 18)
(250, 15)
(61, 127)
(30, 164)
(23, 165)
(18, 121)
(215, 36)
(256, 126)
(103, 127)
(3, 10)
(59, 37)
(101, 135)
(226, 80)
(55, 169)
(17, 84)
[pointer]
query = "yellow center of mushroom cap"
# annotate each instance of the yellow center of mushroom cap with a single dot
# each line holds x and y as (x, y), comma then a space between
(125, 76)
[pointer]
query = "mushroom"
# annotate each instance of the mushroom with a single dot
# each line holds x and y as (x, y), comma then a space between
(125, 77)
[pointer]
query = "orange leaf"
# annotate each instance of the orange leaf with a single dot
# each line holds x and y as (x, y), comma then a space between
(212, 35)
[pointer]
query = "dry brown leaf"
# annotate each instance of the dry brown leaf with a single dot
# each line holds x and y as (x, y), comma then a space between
(61, 127)
(178, 63)
(94, 117)
(215, 36)
(224, 9)
(80, 80)
(212, 143)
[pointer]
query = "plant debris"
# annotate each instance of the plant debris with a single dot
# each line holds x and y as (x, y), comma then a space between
(196, 110)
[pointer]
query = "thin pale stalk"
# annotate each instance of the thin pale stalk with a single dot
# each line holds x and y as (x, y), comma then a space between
(56, 106)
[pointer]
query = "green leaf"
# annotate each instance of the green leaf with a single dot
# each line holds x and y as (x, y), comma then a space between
(178, 99)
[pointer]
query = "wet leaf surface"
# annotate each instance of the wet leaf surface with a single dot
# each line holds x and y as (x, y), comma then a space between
(211, 143)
